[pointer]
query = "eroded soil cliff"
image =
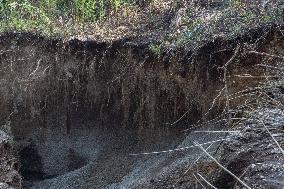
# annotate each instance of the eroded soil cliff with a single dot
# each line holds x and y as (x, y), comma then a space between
(77, 109)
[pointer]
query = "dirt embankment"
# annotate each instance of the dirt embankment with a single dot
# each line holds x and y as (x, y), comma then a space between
(50, 88)
(123, 81)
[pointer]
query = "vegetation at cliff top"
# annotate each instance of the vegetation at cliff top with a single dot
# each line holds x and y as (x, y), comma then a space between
(168, 22)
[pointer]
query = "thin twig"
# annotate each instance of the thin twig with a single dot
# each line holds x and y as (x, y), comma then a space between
(213, 102)
(228, 171)
(198, 181)
(216, 120)
(207, 182)
(199, 157)
(177, 149)
(271, 67)
(266, 54)
(281, 149)
(190, 167)
(225, 88)
(37, 67)
(216, 131)
(225, 70)
(180, 118)
(34, 78)
(232, 58)
(251, 76)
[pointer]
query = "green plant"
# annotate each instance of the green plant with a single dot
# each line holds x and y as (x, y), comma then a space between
(272, 16)
(156, 49)
(17, 15)
(236, 29)
(248, 17)
(91, 10)
(38, 11)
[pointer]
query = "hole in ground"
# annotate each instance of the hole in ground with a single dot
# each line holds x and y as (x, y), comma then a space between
(32, 165)
(97, 154)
